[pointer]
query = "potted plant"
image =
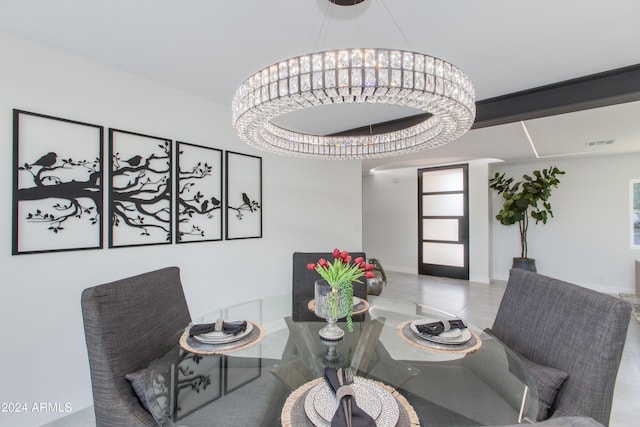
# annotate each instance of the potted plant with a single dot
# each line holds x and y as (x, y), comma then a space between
(524, 199)
(334, 292)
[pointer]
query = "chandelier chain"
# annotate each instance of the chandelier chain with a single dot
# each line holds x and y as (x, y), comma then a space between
(393, 19)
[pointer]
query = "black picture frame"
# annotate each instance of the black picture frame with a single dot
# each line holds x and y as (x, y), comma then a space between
(140, 189)
(198, 204)
(243, 196)
(57, 184)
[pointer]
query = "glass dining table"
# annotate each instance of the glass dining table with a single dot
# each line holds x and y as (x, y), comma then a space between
(274, 375)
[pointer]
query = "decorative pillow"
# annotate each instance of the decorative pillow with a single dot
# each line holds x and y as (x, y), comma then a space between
(548, 381)
(138, 381)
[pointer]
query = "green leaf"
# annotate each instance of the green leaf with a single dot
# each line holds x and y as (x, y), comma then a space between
(521, 200)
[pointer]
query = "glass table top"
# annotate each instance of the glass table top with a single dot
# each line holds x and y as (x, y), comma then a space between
(482, 384)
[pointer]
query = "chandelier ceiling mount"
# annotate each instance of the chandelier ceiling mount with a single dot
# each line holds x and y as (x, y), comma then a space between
(346, 2)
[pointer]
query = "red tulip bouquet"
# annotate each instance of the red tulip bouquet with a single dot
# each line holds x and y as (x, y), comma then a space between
(340, 274)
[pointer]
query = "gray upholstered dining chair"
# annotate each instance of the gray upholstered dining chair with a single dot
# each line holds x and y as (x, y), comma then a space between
(303, 280)
(127, 324)
(566, 334)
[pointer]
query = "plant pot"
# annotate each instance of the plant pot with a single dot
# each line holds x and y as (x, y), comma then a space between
(528, 264)
(375, 284)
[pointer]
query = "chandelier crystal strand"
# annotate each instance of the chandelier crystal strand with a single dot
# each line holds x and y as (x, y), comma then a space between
(377, 76)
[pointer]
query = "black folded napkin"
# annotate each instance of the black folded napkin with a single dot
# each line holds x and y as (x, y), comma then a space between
(359, 418)
(436, 328)
(232, 328)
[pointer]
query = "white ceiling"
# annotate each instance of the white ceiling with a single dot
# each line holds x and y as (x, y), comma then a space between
(208, 47)
(602, 131)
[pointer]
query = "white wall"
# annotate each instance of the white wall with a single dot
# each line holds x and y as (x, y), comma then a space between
(307, 206)
(479, 239)
(390, 220)
(390, 225)
(588, 240)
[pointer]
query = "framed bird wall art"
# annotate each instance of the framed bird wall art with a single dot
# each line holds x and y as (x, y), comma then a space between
(140, 189)
(243, 202)
(58, 184)
(198, 201)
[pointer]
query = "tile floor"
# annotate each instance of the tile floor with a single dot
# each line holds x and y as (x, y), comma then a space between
(478, 303)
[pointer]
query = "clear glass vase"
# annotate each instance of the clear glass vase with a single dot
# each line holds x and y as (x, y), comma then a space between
(328, 305)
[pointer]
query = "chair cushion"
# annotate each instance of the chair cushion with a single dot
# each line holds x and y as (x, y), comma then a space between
(548, 381)
(138, 381)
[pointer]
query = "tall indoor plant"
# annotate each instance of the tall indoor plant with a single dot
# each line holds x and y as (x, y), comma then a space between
(524, 199)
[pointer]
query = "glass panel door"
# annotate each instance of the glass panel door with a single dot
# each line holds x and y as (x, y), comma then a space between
(443, 222)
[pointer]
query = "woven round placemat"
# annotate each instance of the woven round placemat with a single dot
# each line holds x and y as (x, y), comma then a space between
(293, 414)
(405, 332)
(362, 307)
(192, 345)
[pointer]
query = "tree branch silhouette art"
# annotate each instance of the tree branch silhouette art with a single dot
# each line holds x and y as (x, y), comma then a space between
(141, 192)
(197, 201)
(66, 190)
(247, 206)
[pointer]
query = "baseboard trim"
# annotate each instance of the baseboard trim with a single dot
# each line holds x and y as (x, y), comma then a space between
(611, 290)
(401, 269)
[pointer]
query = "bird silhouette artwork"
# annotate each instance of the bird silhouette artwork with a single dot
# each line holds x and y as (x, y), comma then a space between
(243, 198)
(58, 190)
(199, 183)
(140, 192)
(247, 205)
(134, 161)
(75, 195)
(47, 160)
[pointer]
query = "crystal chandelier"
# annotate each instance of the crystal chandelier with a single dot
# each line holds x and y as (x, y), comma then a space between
(373, 76)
